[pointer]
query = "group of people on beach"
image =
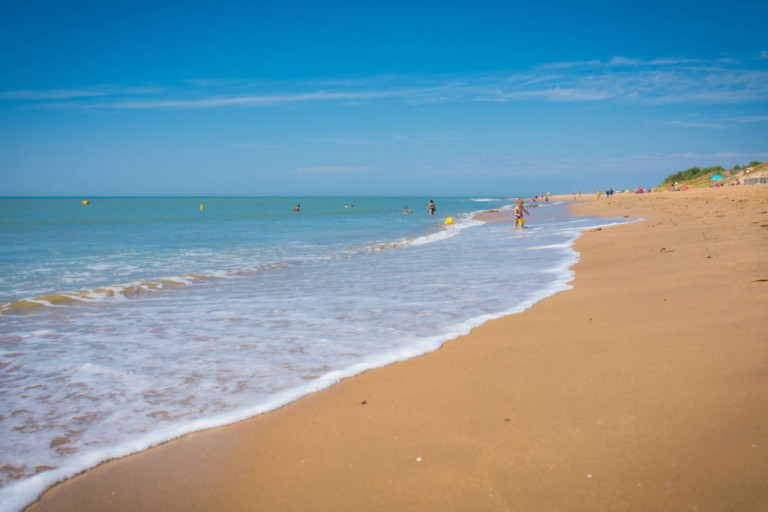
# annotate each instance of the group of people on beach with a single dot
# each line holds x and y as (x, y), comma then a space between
(608, 193)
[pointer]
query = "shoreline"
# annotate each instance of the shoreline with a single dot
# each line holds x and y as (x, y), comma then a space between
(532, 420)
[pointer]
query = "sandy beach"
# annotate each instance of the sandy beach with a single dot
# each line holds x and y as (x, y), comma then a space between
(642, 388)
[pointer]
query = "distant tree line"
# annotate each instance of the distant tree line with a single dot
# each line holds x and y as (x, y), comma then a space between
(695, 172)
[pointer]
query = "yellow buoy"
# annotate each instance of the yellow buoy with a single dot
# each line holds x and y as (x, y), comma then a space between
(85, 202)
(449, 220)
(202, 207)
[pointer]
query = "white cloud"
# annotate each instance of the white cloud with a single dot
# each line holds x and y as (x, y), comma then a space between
(749, 119)
(619, 79)
(571, 64)
(624, 61)
(732, 155)
(618, 165)
(333, 170)
(254, 146)
(89, 92)
(436, 138)
(344, 141)
(249, 101)
(695, 124)
(620, 61)
(576, 94)
(717, 123)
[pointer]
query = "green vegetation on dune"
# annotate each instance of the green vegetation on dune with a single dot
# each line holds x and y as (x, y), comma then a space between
(696, 177)
(693, 172)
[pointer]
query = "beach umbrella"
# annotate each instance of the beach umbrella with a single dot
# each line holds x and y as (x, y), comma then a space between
(716, 177)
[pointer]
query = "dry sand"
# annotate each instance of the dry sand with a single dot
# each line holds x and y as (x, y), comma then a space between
(644, 388)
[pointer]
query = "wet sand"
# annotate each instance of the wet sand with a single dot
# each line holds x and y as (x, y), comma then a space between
(643, 388)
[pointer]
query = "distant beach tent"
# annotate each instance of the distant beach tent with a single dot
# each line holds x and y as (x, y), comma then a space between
(716, 177)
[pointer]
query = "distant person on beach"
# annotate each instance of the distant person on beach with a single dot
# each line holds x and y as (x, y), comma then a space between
(406, 210)
(519, 210)
(431, 207)
(298, 208)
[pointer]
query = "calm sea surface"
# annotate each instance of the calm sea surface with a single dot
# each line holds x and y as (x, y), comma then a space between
(131, 321)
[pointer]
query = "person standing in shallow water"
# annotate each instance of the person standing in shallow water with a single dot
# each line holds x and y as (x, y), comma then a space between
(431, 207)
(298, 208)
(519, 210)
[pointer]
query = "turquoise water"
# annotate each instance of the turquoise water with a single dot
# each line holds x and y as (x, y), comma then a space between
(131, 321)
(53, 245)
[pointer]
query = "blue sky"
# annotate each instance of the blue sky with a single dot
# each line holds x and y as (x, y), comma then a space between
(375, 98)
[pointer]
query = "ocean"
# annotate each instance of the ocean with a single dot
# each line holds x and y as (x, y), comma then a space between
(128, 322)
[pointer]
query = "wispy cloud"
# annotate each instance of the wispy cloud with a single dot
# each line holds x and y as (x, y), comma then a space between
(718, 123)
(658, 81)
(632, 163)
(749, 119)
(249, 101)
(560, 94)
(620, 61)
(333, 170)
(734, 156)
(434, 138)
(254, 145)
(695, 124)
(619, 166)
(344, 141)
(89, 92)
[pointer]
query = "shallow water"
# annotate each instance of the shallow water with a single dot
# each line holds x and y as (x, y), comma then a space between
(129, 322)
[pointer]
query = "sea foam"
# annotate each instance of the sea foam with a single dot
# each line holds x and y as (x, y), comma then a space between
(245, 333)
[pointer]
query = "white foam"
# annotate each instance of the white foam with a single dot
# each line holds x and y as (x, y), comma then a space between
(43, 333)
(20, 494)
(550, 246)
(244, 346)
(42, 302)
(447, 232)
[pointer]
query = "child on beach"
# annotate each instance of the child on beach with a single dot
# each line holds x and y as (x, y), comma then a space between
(519, 210)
